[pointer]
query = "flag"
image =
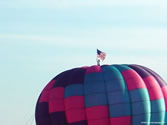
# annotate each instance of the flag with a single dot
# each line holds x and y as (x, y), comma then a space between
(101, 55)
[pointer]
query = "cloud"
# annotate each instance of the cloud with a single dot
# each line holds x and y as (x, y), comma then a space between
(121, 38)
(77, 3)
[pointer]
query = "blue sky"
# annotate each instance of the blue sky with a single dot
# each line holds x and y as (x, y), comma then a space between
(41, 38)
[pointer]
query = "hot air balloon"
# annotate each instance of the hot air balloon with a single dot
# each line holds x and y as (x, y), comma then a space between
(104, 95)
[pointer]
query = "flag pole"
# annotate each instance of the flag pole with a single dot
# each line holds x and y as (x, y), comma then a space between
(98, 61)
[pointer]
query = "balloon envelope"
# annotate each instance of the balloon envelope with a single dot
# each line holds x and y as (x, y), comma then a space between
(104, 95)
